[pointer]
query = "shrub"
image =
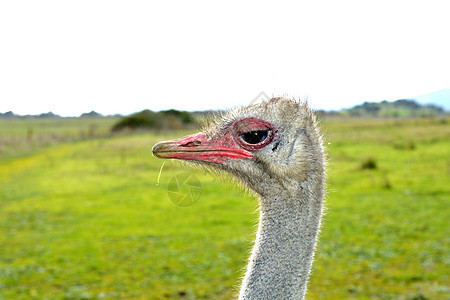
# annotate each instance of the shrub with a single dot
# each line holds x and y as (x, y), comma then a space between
(409, 145)
(184, 116)
(147, 119)
(369, 164)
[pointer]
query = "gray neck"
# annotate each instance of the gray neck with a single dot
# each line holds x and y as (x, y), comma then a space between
(283, 253)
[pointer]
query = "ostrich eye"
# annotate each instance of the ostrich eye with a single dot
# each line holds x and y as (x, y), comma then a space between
(253, 134)
(255, 137)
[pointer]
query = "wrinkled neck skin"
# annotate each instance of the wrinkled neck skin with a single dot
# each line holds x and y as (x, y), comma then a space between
(284, 248)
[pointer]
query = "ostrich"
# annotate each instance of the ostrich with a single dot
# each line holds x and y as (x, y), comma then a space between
(275, 149)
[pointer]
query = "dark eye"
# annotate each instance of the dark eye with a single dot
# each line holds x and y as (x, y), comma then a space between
(255, 137)
(253, 134)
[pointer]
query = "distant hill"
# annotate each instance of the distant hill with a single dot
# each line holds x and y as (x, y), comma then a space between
(441, 98)
(8, 115)
(11, 115)
(91, 115)
(399, 108)
(50, 115)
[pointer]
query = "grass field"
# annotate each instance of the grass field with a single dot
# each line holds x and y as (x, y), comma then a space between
(82, 216)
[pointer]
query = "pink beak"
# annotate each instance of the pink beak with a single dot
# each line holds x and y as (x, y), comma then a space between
(198, 147)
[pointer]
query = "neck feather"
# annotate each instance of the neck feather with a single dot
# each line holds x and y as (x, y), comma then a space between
(284, 248)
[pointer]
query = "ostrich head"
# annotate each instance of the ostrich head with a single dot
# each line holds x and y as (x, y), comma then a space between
(271, 147)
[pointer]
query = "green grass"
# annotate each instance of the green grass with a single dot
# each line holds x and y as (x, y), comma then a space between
(20, 137)
(87, 220)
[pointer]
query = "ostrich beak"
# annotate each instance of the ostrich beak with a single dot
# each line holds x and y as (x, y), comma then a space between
(198, 147)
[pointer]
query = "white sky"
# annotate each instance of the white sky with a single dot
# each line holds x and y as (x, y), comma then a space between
(71, 57)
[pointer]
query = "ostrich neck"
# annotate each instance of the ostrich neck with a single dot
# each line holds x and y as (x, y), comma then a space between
(284, 248)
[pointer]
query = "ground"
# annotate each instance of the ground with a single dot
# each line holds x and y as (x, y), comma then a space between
(82, 216)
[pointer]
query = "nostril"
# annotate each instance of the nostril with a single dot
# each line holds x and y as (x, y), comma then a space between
(192, 144)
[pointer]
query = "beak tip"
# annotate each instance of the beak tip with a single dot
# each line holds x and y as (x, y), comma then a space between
(156, 149)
